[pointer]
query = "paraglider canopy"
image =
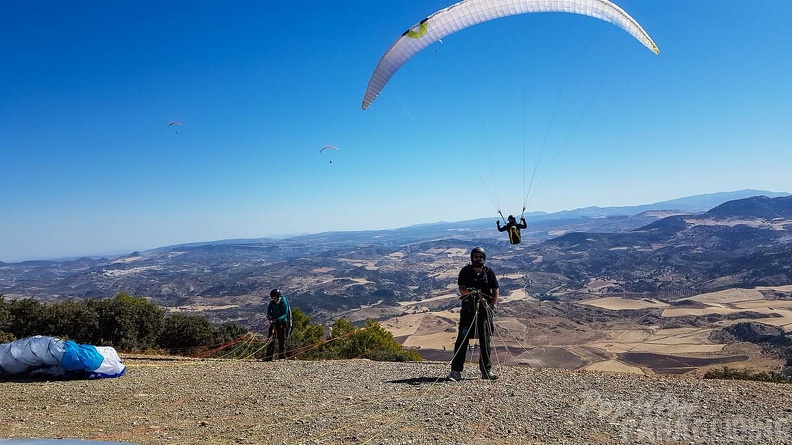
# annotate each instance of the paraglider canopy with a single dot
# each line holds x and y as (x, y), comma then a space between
(175, 123)
(472, 12)
(329, 147)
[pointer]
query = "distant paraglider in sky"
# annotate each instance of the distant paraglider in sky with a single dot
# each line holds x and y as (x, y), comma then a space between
(175, 123)
(472, 12)
(329, 147)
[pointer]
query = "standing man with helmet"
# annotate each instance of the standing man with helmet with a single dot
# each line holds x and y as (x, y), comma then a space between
(479, 288)
(279, 317)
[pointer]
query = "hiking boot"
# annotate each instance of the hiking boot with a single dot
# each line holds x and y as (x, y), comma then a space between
(489, 376)
(455, 376)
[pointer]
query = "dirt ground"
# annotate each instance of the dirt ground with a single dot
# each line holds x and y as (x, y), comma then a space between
(181, 401)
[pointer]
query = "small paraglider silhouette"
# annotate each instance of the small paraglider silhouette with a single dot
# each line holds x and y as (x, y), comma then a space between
(330, 147)
(175, 123)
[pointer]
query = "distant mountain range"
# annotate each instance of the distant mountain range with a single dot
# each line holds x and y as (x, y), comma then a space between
(690, 204)
(699, 242)
(741, 243)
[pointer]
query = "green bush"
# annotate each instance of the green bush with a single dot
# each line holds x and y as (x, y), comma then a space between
(227, 332)
(27, 318)
(136, 324)
(181, 331)
(128, 323)
(6, 337)
(372, 342)
(72, 320)
(736, 374)
(5, 320)
(305, 338)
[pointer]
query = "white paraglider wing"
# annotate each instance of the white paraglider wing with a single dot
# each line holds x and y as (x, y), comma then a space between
(472, 12)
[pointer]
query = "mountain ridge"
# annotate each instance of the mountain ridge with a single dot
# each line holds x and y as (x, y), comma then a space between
(688, 204)
(657, 274)
(619, 246)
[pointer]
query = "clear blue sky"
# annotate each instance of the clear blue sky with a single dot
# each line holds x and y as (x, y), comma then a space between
(88, 164)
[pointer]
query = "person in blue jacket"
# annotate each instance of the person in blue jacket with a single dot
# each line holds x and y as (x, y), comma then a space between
(279, 317)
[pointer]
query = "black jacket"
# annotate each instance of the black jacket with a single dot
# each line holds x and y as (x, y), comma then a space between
(514, 230)
(486, 282)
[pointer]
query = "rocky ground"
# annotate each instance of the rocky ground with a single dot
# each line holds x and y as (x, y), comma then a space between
(175, 401)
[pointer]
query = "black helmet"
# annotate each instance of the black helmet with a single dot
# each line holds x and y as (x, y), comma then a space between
(511, 218)
(478, 250)
(275, 293)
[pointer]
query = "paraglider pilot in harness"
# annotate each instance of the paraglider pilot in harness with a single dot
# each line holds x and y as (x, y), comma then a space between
(479, 288)
(278, 315)
(513, 228)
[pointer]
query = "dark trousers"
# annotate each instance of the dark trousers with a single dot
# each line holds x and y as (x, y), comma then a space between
(481, 325)
(280, 334)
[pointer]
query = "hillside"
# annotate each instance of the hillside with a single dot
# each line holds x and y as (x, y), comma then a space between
(330, 274)
(644, 293)
(357, 402)
(755, 207)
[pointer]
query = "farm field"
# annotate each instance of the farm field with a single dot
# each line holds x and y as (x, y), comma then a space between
(628, 347)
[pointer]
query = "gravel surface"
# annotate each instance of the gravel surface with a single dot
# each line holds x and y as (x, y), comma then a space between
(179, 401)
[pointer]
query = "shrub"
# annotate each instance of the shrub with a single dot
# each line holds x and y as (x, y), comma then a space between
(372, 342)
(72, 320)
(305, 337)
(182, 331)
(227, 332)
(737, 374)
(27, 318)
(128, 323)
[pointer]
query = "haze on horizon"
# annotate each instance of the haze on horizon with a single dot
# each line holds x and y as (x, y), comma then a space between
(554, 111)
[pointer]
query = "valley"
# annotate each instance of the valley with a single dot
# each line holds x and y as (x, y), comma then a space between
(667, 292)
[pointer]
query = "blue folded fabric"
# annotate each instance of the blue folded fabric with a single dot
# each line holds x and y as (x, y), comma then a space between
(80, 357)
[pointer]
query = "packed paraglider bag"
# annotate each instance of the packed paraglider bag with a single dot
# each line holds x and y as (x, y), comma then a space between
(50, 356)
